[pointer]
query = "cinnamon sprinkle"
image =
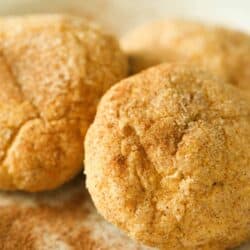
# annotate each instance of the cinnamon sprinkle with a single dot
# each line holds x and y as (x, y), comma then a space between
(61, 219)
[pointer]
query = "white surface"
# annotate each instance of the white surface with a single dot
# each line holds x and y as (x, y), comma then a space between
(121, 15)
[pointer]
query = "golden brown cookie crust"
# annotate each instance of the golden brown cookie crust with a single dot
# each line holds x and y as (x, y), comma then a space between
(53, 70)
(224, 52)
(167, 159)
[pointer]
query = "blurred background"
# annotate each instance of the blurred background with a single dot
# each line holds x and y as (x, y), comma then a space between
(121, 15)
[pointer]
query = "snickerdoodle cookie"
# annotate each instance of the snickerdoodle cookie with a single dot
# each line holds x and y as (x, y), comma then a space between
(168, 161)
(222, 51)
(53, 70)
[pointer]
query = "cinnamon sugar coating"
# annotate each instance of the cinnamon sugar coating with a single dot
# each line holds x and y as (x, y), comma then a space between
(168, 161)
(53, 70)
(62, 219)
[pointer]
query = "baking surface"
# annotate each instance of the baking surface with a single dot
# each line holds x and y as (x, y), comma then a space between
(64, 219)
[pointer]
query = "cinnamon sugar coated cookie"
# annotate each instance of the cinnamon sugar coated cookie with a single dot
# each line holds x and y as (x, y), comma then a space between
(223, 51)
(168, 161)
(53, 70)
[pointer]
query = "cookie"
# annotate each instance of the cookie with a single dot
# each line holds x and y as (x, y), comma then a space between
(53, 70)
(167, 159)
(223, 51)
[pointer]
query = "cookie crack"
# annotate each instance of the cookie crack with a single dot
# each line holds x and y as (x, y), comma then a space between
(11, 143)
(17, 83)
(143, 150)
(149, 163)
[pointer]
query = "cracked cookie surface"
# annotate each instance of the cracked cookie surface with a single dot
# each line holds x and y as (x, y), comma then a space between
(223, 51)
(53, 70)
(167, 159)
